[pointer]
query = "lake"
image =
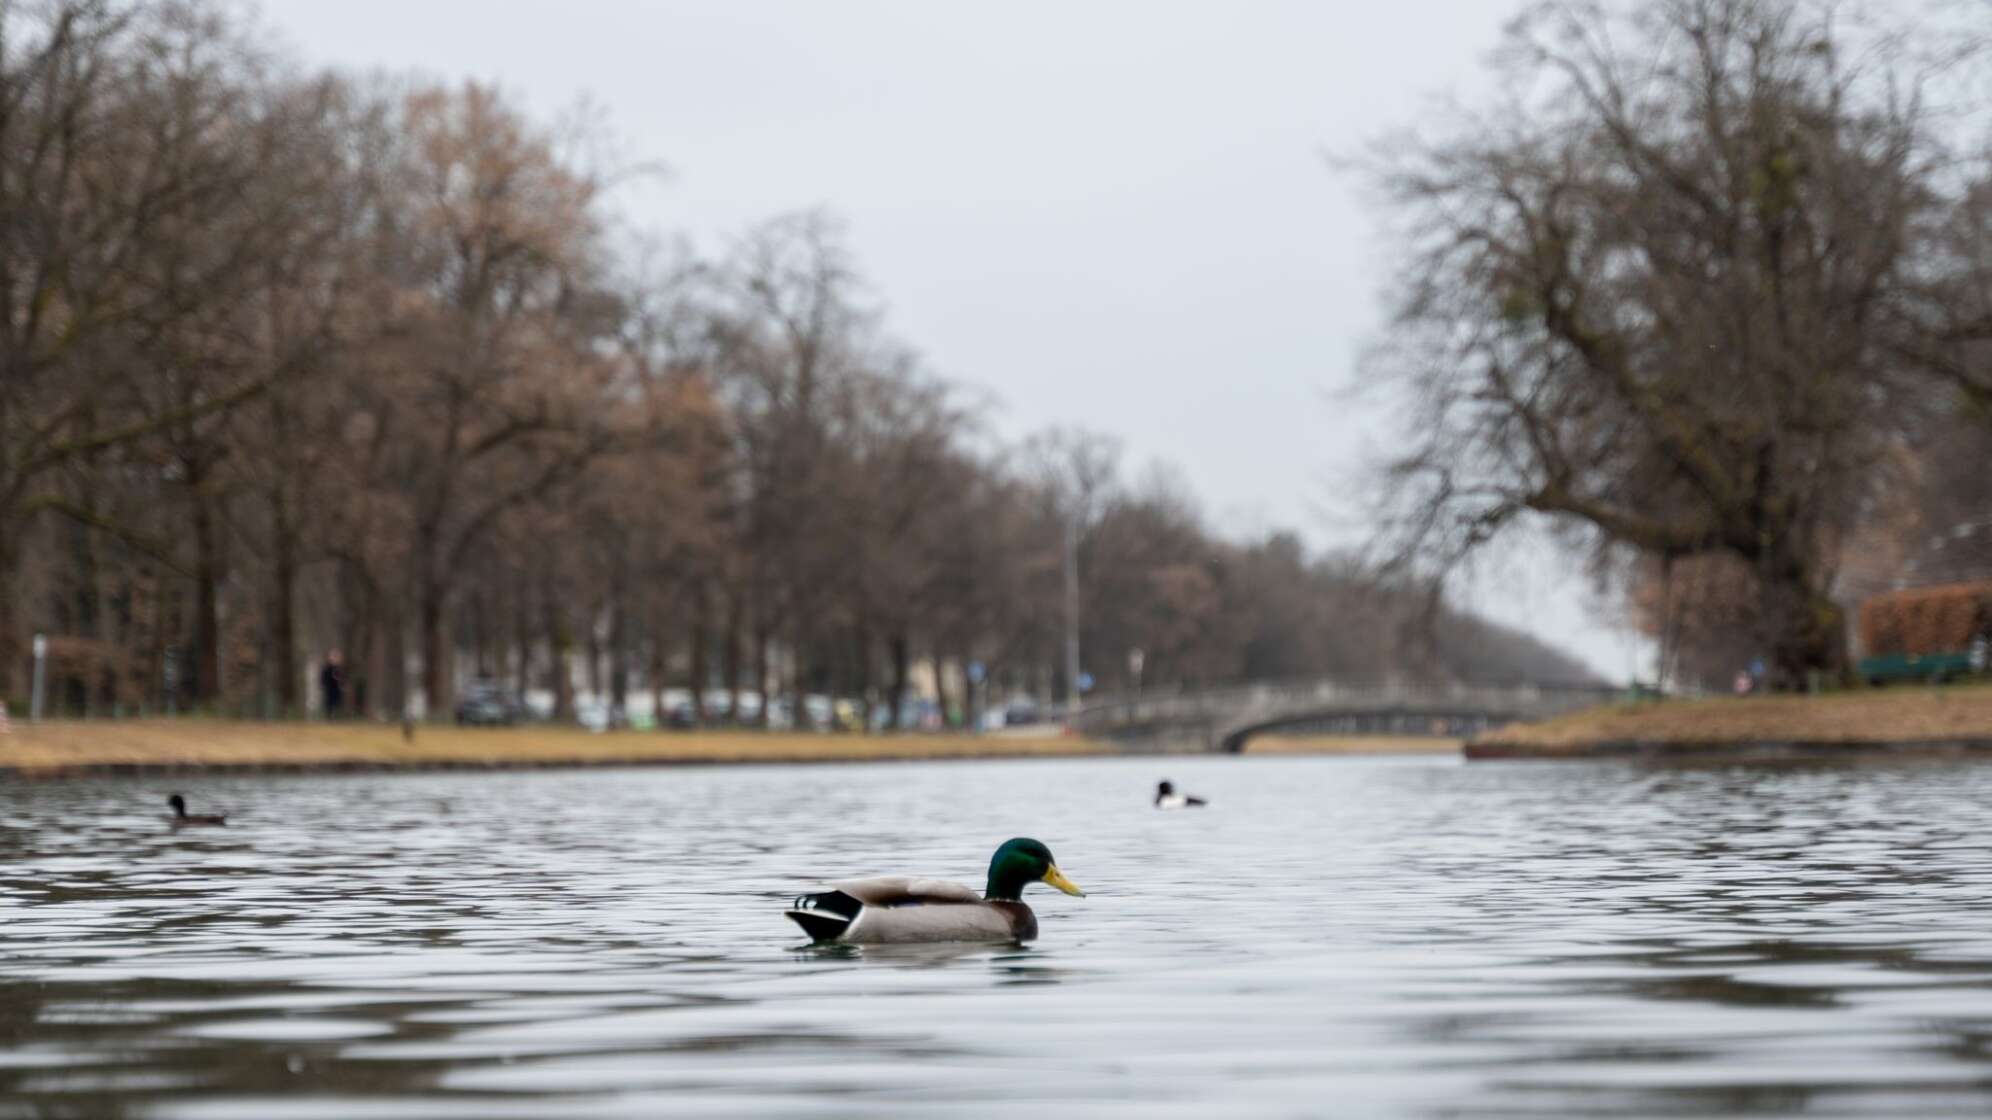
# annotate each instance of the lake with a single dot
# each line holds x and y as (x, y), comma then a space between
(1345, 937)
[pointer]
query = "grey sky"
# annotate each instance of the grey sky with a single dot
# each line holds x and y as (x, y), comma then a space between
(1116, 215)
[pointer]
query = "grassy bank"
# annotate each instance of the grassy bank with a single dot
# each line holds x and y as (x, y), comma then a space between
(1955, 718)
(139, 746)
(1351, 744)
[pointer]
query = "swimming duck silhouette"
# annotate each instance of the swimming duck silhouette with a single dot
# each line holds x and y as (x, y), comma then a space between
(181, 818)
(1166, 797)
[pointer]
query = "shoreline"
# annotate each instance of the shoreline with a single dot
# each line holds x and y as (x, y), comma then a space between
(167, 768)
(1949, 722)
(1295, 745)
(140, 748)
(145, 748)
(1803, 750)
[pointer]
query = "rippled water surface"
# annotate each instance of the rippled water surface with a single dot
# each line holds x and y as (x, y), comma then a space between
(1344, 937)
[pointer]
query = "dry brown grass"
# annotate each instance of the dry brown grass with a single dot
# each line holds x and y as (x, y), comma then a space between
(1352, 744)
(59, 746)
(1896, 715)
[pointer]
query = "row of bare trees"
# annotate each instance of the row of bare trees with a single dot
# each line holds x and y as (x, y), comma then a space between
(292, 362)
(1707, 289)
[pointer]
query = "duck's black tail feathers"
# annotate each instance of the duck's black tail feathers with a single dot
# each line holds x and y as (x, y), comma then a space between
(825, 917)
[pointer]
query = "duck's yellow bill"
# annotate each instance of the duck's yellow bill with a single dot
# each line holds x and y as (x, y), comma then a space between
(1057, 878)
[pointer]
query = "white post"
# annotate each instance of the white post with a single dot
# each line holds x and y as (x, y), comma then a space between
(41, 678)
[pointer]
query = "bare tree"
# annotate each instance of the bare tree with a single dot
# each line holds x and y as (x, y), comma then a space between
(501, 383)
(125, 207)
(1076, 470)
(1653, 295)
(794, 339)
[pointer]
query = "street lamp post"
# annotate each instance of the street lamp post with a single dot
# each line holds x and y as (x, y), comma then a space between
(1135, 659)
(1071, 614)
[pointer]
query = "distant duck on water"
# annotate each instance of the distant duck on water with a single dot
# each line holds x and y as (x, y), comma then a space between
(1166, 797)
(181, 818)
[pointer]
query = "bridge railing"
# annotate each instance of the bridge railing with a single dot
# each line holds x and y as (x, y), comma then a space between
(1227, 701)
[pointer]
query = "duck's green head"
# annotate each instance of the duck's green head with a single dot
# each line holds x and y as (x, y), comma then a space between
(1021, 862)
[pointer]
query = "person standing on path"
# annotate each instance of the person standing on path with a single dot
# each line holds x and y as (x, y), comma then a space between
(332, 683)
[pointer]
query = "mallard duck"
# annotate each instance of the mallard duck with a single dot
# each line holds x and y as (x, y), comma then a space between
(898, 909)
(180, 817)
(1166, 797)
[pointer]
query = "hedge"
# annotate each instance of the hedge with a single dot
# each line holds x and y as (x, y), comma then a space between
(1941, 619)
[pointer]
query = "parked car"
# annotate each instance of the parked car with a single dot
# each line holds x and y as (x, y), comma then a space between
(488, 704)
(1021, 715)
(598, 715)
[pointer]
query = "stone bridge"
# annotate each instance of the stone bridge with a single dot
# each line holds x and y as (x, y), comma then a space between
(1223, 719)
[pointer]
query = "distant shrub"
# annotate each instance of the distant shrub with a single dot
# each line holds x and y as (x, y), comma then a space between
(1921, 620)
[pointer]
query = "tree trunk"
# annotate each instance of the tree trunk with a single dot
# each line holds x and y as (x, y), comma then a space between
(165, 621)
(436, 650)
(363, 653)
(901, 666)
(283, 609)
(618, 652)
(660, 667)
(861, 664)
(1805, 633)
(763, 673)
(86, 622)
(729, 656)
(799, 659)
(395, 684)
(13, 651)
(207, 599)
(592, 647)
(700, 636)
(370, 677)
(522, 646)
(946, 702)
(558, 644)
(483, 639)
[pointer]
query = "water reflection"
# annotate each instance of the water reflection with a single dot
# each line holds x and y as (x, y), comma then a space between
(1362, 937)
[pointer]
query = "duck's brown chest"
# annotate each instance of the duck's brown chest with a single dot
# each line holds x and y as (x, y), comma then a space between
(1022, 921)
